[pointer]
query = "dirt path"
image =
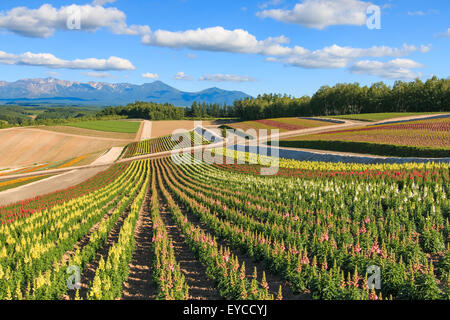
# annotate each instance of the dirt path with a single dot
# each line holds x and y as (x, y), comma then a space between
(273, 280)
(200, 287)
(109, 157)
(146, 131)
(45, 186)
(140, 285)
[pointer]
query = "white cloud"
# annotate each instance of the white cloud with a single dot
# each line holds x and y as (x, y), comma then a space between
(241, 41)
(50, 61)
(182, 76)
(210, 39)
(394, 69)
(46, 20)
(191, 56)
(339, 57)
(226, 78)
(320, 14)
(149, 75)
(445, 34)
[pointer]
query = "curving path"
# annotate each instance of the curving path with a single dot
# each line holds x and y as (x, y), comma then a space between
(49, 185)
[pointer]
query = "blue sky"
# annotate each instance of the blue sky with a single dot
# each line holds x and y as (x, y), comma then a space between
(258, 46)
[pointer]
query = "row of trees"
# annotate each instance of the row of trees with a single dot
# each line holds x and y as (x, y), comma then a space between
(146, 110)
(415, 96)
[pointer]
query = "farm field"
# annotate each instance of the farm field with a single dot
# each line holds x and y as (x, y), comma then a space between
(161, 144)
(282, 124)
(109, 125)
(214, 237)
(25, 147)
(165, 128)
(90, 133)
(424, 138)
(374, 117)
(14, 183)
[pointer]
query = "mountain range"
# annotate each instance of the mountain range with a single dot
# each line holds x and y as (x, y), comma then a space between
(51, 90)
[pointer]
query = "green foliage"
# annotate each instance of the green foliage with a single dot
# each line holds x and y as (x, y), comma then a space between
(145, 110)
(108, 125)
(342, 99)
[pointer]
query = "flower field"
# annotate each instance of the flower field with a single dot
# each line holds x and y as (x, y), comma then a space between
(417, 135)
(311, 232)
(282, 124)
(162, 144)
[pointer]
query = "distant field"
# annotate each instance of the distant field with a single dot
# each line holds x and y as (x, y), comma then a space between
(15, 183)
(22, 147)
(373, 117)
(164, 128)
(90, 132)
(109, 126)
(426, 138)
(282, 124)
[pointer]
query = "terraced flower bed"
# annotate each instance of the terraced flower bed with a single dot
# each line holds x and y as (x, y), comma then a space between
(425, 138)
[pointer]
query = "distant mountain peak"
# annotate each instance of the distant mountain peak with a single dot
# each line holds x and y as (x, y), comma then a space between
(103, 93)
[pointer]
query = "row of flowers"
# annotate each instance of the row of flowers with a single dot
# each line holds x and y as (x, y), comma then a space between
(30, 248)
(355, 236)
(222, 266)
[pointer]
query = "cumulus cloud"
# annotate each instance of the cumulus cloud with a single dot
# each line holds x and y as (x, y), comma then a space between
(46, 20)
(339, 57)
(182, 76)
(320, 14)
(213, 39)
(50, 61)
(226, 78)
(275, 49)
(149, 75)
(394, 69)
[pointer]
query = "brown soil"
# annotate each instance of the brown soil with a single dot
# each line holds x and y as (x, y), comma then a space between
(25, 146)
(90, 133)
(164, 128)
(200, 287)
(140, 285)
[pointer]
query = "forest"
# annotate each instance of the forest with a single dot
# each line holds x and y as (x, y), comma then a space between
(416, 96)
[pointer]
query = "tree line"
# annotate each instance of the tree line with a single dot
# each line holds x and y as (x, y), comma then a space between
(416, 96)
(348, 98)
